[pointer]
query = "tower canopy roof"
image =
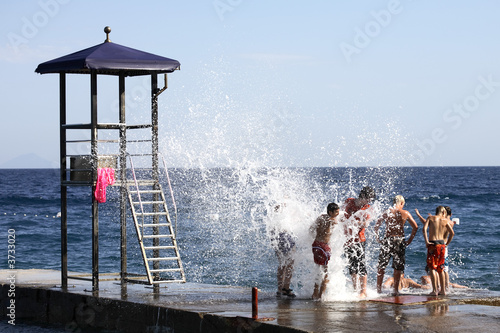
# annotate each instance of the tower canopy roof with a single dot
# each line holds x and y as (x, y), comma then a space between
(109, 58)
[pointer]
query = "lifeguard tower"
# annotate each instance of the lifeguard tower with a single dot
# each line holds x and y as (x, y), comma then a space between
(144, 196)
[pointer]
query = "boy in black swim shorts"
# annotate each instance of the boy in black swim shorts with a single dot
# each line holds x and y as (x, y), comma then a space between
(394, 243)
(356, 221)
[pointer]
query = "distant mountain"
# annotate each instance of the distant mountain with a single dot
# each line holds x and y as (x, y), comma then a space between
(29, 161)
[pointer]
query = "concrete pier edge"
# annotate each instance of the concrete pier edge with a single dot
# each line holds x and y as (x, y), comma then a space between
(78, 312)
(196, 307)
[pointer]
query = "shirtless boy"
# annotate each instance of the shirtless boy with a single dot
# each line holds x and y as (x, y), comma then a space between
(403, 283)
(446, 263)
(436, 244)
(283, 242)
(356, 221)
(394, 243)
(322, 228)
(409, 283)
(426, 283)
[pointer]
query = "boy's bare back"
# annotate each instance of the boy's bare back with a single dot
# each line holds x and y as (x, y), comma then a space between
(439, 228)
(395, 221)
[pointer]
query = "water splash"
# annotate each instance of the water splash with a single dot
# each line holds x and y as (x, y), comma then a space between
(228, 178)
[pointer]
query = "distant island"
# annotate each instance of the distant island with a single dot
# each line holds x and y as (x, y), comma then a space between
(29, 161)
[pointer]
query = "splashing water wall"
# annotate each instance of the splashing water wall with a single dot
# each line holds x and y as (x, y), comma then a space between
(225, 157)
(227, 218)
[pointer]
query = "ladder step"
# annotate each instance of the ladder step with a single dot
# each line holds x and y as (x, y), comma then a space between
(149, 193)
(152, 214)
(152, 225)
(161, 247)
(147, 202)
(165, 270)
(168, 281)
(142, 182)
(133, 186)
(163, 258)
(157, 236)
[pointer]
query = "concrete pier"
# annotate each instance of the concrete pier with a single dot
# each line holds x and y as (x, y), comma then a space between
(193, 307)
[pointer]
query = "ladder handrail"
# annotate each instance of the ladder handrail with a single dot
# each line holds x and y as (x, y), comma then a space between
(138, 192)
(171, 190)
(164, 263)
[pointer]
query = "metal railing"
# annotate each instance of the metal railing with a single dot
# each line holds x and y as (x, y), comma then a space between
(136, 183)
(171, 190)
(138, 193)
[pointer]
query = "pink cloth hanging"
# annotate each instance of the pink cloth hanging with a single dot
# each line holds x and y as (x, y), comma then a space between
(105, 177)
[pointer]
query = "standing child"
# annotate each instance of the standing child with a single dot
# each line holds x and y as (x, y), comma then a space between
(394, 243)
(436, 245)
(283, 242)
(322, 228)
(356, 220)
(446, 261)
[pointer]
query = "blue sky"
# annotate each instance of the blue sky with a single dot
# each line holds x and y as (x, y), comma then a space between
(286, 83)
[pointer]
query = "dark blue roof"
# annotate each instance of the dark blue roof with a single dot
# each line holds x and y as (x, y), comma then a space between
(109, 58)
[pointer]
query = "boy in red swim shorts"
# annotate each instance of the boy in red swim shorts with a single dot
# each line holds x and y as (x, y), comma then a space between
(322, 228)
(436, 246)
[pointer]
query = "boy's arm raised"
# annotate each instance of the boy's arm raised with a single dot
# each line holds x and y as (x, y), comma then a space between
(424, 230)
(419, 216)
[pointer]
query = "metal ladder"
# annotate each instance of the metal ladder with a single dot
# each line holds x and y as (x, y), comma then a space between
(156, 239)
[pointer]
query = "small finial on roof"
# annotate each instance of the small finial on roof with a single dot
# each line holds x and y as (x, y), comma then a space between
(107, 30)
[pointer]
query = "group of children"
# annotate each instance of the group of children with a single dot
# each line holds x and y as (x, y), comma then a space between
(437, 229)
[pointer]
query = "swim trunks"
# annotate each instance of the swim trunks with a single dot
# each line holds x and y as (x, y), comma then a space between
(355, 253)
(435, 255)
(394, 247)
(321, 252)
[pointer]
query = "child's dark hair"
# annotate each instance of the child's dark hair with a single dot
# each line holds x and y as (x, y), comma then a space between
(332, 207)
(367, 193)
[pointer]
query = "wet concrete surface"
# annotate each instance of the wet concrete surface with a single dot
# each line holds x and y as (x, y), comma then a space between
(474, 311)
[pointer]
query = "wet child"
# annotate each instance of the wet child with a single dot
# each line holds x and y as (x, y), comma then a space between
(394, 243)
(357, 216)
(404, 283)
(322, 230)
(283, 242)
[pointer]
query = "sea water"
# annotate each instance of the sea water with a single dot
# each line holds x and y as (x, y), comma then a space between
(224, 220)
